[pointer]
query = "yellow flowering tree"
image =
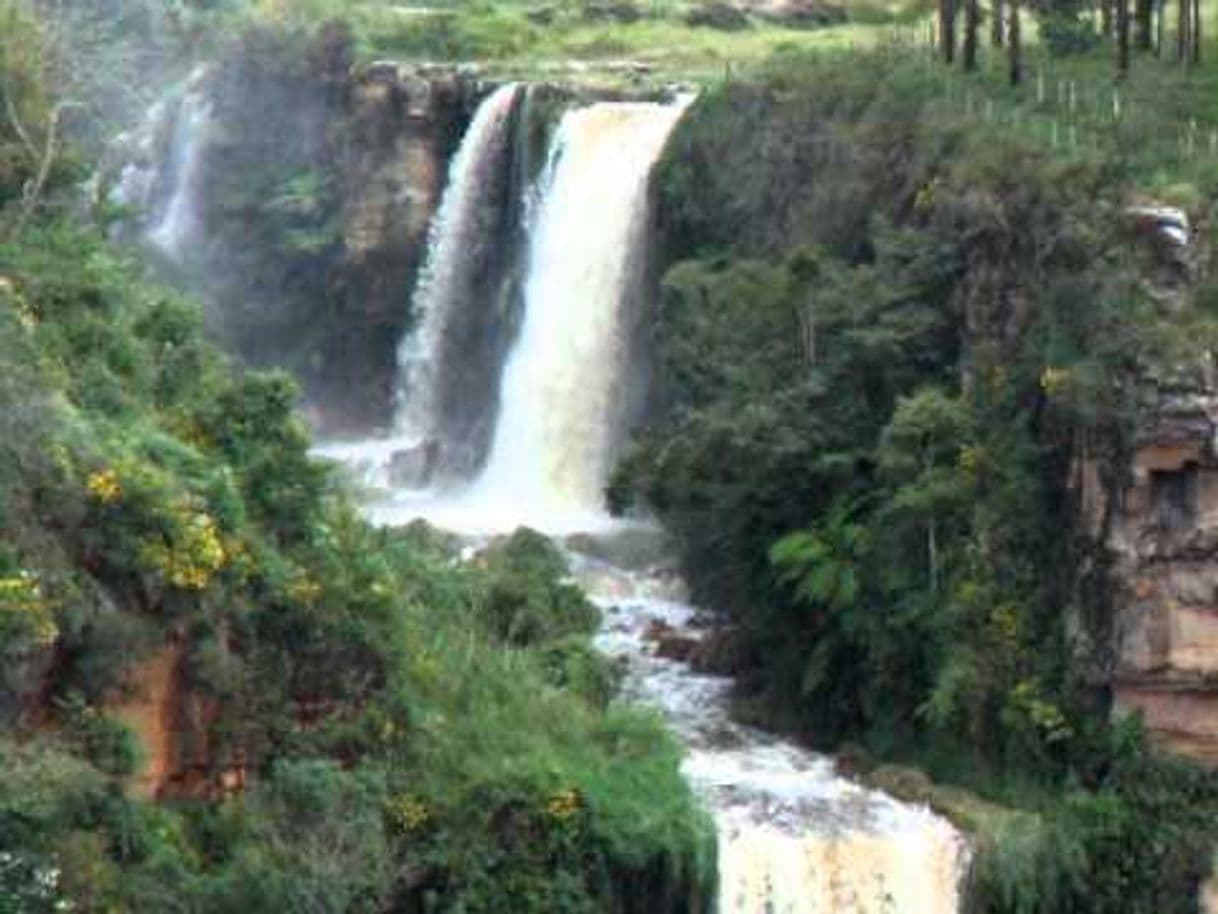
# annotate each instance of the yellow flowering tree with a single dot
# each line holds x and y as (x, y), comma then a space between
(26, 618)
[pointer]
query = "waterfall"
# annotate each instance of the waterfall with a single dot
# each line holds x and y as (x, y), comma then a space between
(463, 224)
(180, 222)
(563, 388)
(793, 836)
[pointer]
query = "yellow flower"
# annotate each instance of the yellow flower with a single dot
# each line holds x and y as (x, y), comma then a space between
(104, 486)
(1054, 380)
(409, 813)
(1005, 619)
(564, 804)
(304, 590)
(24, 612)
(194, 554)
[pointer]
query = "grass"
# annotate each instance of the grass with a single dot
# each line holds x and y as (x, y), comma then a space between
(540, 41)
(1160, 124)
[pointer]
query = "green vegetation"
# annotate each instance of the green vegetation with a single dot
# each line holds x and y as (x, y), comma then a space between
(410, 727)
(888, 326)
(346, 718)
(616, 42)
(899, 303)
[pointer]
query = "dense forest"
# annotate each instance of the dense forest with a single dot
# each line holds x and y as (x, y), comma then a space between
(902, 300)
(883, 346)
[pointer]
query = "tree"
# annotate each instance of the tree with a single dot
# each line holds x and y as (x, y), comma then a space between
(30, 122)
(1184, 21)
(997, 26)
(1122, 12)
(919, 451)
(1143, 22)
(1015, 51)
(1194, 32)
(972, 18)
(947, 30)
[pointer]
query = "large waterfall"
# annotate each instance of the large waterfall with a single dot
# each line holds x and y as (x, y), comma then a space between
(794, 837)
(563, 387)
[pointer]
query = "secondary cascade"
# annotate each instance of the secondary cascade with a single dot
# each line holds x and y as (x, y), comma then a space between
(462, 223)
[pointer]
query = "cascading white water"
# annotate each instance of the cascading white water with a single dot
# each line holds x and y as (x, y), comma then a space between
(794, 837)
(180, 222)
(562, 388)
(454, 228)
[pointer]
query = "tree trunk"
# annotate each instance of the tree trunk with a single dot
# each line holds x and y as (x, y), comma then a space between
(947, 30)
(1144, 32)
(1106, 17)
(997, 26)
(1122, 23)
(1016, 51)
(1194, 33)
(33, 190)
(1183, 16)
(1160, 19)
(972, 22)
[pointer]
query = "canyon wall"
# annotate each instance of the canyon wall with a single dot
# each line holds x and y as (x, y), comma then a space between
(1164, 540)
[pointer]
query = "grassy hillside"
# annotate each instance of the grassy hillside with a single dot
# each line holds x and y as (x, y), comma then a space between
(220, 690)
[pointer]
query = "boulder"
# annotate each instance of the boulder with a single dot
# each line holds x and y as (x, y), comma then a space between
(412, 468)
(1167, 224)
(670, 642)
(622, 11)
(803, 13)
(718, 15)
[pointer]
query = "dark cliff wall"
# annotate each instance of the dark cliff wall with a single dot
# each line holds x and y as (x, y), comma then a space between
(318, 186)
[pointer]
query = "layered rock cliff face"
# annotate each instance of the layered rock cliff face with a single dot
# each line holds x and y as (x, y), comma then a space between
(1156, 521)
(1164, 539)
(404, 127)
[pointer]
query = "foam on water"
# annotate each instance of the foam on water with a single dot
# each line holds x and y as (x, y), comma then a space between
(794, 837)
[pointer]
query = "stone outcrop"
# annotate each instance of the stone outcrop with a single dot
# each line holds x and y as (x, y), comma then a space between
(311, 197)
(1162, 532)
(403, 128)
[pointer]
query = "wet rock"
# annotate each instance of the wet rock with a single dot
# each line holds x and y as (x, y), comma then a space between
(1167, 224)
(670, 642)
(718, 654)
(383, 71)
(802, 13)
(412, 468)
(622, 11)
(633, 548)
(718, 15)
(541, 15)
(903, 782)
(852, 761)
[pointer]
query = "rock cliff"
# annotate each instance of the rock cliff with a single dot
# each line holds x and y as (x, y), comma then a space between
(1164, 540)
